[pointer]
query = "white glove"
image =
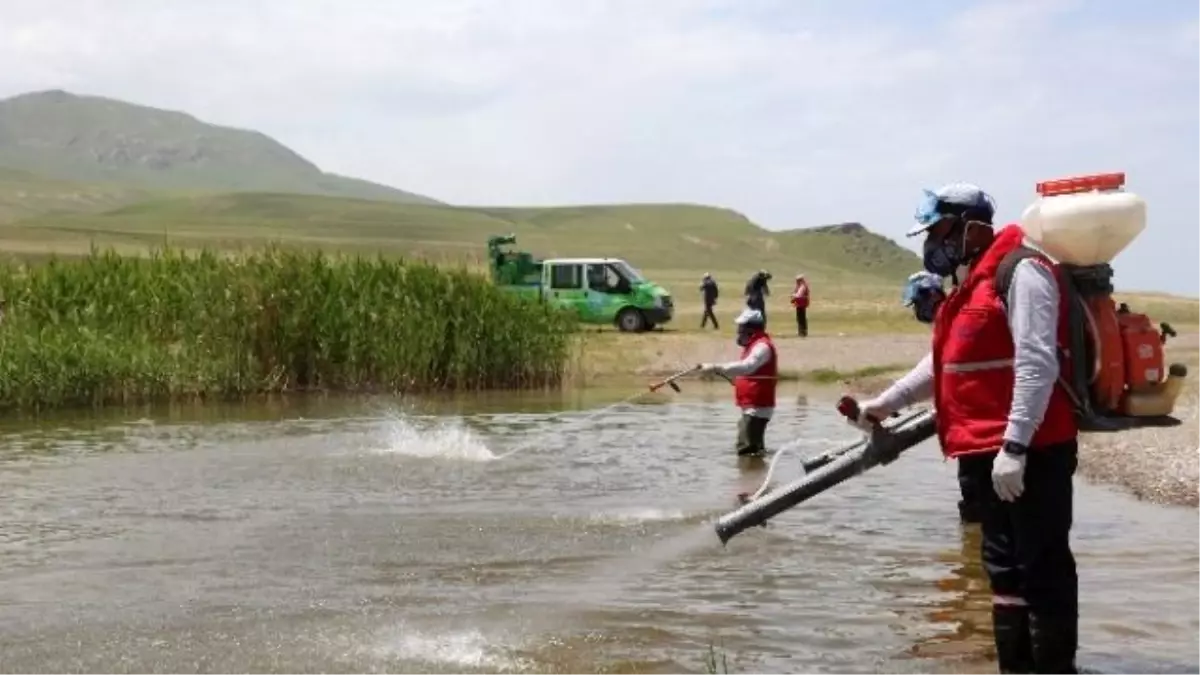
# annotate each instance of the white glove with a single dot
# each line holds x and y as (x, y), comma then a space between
(872, 408)
(1008, 475)
(708, 368)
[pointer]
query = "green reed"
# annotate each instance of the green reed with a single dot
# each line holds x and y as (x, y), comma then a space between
(110, 329)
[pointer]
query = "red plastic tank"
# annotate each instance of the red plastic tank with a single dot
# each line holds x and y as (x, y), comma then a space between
(1110, 374)
(1143, 352)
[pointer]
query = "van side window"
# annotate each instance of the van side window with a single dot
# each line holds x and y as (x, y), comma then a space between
(566, 277)
(597, 279)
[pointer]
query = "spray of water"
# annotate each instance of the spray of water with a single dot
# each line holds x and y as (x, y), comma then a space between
(609, 578)
(466, 648)
(441, 439)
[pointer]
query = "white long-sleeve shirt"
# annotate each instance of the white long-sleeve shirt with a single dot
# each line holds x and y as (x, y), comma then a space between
(1033, 306)
(759, 354)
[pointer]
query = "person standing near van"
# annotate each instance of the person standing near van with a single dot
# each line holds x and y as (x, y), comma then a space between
(709, 291)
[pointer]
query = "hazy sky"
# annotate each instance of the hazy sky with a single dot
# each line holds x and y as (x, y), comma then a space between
(793, 112)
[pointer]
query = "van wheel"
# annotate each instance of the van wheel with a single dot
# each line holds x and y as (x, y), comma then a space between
(630, 320)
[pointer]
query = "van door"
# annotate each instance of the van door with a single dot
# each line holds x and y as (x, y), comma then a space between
(566, 288)
(604, 296)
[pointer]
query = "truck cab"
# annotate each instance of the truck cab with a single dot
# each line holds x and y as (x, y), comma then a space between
(606, 290)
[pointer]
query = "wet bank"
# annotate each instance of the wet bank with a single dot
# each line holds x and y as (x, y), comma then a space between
(521, 533)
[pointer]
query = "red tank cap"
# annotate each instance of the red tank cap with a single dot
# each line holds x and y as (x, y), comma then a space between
(1065, 186)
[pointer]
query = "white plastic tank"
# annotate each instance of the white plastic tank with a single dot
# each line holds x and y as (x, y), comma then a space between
(1085, 220)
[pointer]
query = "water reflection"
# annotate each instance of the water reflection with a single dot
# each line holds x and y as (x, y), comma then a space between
(801, 411)
(965, 606)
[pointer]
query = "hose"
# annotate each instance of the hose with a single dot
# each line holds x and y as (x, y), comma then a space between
(884, 446)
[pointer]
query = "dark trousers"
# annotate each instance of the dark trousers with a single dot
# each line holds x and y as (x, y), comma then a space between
(970, 507)
(802, 321)
(751, 435)
(708, 314)
(1026, 551)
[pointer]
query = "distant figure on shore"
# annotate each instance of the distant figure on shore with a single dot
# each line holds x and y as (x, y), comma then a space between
(708, 289)
(757, 292)
(800, 302)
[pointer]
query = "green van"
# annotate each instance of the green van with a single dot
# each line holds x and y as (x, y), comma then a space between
(595, 290)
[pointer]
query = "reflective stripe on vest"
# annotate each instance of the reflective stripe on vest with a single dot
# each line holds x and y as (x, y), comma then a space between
(975, 366)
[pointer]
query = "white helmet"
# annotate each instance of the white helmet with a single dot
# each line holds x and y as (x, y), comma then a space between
(749, 316)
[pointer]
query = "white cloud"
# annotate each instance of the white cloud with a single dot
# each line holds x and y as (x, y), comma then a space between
(794, 113)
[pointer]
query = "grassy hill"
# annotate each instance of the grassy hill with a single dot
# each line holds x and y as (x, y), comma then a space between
(23, 194)
(89, 138)
(674, 240)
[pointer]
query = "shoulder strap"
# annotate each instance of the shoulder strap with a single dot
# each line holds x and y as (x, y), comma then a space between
(1007, 268)
(1076, 352)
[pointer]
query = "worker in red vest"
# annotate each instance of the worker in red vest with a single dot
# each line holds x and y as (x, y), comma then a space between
(993, 374)
(754, 378)
(800, 302)
(924, 293)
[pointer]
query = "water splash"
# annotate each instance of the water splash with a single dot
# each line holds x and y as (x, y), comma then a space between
(443, 439)
(465, 649)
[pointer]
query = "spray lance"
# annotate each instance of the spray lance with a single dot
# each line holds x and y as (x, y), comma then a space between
(882, 446)
(670, 380)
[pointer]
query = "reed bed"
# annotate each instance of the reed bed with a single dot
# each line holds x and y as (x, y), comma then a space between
(108, 328)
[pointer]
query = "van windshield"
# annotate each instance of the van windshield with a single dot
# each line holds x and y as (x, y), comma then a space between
(629, 272)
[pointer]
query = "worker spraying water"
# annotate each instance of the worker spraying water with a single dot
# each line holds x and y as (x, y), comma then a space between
(755, 376)
(1008, 376)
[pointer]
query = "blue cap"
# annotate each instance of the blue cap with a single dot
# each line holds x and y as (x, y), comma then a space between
(966, 195)
(918, 283)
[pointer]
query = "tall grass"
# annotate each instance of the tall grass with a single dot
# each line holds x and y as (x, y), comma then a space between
(113, 329)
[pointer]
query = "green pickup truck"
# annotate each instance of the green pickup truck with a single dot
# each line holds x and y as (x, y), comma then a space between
(596, 290)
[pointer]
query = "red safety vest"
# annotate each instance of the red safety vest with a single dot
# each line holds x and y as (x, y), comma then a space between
(973, 362)
(801, 301)
(757, 390)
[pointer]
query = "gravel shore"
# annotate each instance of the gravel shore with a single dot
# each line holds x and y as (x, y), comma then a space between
(1158, 464)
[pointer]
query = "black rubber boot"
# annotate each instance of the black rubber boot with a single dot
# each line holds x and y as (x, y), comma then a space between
(1014, 647)
(969, 512)
(1055, 641)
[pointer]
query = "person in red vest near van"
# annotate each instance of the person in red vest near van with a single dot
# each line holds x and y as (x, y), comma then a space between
(800, 302)
(993, 374)
(755, 376)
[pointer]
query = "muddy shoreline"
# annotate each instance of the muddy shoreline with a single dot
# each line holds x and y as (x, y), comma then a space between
(1158, 464)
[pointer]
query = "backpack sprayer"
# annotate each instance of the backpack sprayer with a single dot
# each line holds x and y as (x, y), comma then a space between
(882, 446)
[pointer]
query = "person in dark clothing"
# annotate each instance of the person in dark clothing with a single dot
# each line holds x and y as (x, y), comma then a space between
(757, 292)
(709, 290)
